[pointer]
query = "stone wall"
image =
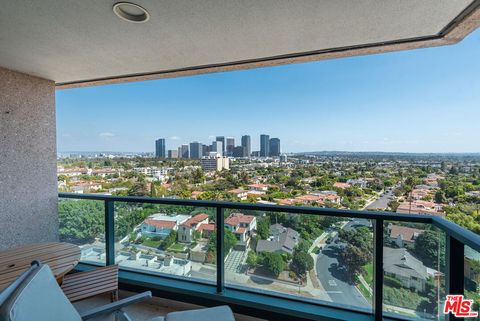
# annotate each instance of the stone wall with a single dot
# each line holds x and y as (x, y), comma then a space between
(28, 181)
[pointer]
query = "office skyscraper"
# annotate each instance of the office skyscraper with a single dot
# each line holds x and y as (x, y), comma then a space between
(206, 150)
(264, 145)
(173, 153)
(230, 146)
(246, 143)
(196, 150)
(160, 148)
(239, 151)
(183, 151)
(274, 147)
(217, 146)
(222, 140)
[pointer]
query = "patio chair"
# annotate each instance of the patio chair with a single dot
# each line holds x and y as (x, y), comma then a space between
(36, 295)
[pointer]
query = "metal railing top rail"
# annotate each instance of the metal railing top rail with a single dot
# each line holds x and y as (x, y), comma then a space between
(465, 236)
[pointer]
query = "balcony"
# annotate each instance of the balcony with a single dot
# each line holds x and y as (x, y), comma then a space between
(255, 258)
(211, 270)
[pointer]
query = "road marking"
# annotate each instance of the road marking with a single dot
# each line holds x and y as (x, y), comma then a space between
(332, 283)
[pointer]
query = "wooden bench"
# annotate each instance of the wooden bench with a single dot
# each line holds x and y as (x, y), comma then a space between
(83, 285)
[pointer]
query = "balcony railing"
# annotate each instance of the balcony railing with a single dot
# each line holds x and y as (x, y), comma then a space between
(209, 267)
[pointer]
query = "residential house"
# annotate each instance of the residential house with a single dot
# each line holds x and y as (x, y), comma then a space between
(187, 228)
(196, 194)
(400, 264)
(239, 193)
(72, 172)
(241, 225)
(420, 193)
(342, 185)
(403, 235)
(420, 207)
(358, 182)
(281, 239)
(206, 230)
(258, 187)
(161, 225)
(85, 187)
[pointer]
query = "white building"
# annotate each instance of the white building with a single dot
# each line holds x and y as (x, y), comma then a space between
(215, 163)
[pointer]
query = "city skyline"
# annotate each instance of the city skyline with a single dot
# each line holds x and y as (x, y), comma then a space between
(421, 101)
(222, 145)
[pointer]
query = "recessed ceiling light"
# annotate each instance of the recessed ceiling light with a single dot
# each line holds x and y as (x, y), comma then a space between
(131, 12)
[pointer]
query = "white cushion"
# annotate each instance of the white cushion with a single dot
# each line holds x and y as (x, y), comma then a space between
(42, 300)
(221, 313)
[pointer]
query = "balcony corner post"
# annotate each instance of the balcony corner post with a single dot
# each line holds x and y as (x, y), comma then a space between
(378, 270)
(109, 232)
(220, 250)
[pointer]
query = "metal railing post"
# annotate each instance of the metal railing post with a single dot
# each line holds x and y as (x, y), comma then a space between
(454, 270)
(220, 250)
(109, 232)
(378, 270)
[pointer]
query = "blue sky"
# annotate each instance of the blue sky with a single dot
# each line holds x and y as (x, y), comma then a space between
(425, 100)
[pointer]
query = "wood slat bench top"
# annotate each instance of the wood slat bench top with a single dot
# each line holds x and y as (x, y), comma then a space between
(82, 285)
(60, 257)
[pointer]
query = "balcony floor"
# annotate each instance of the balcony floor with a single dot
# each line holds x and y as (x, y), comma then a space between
(148, 309)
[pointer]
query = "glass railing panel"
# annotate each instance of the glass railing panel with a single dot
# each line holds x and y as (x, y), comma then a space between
(82, 222)
(414, 270)
(169, 240)
(472, 277)
(309, 257)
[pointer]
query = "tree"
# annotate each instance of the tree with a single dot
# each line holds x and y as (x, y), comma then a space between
(302, 262)
(81, 221)
(273, 262)
(263, 228)
(229, 242)
(198, 176)
(426, 248)
(153, 191)
(355, 258)
(439, 197)
(138, 189)
(252, 259)
(169, 240)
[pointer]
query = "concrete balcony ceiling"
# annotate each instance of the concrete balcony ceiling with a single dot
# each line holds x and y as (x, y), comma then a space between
(77, 43)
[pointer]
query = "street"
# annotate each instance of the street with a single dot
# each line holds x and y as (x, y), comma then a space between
(382, 202)
(334, 278)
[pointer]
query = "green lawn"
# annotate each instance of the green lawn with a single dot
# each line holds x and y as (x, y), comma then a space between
(368, 276)
(177, 247)
(152, 243)
(363, 290)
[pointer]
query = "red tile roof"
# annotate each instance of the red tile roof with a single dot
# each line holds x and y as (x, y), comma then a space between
(408, 234)
(240, 230)
(341, 185)
(237, 218)
(206, 227)
(160, 223)
(195, 220)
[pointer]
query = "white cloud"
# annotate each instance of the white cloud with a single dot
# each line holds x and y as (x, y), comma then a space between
(175, 138)
(106, 134)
